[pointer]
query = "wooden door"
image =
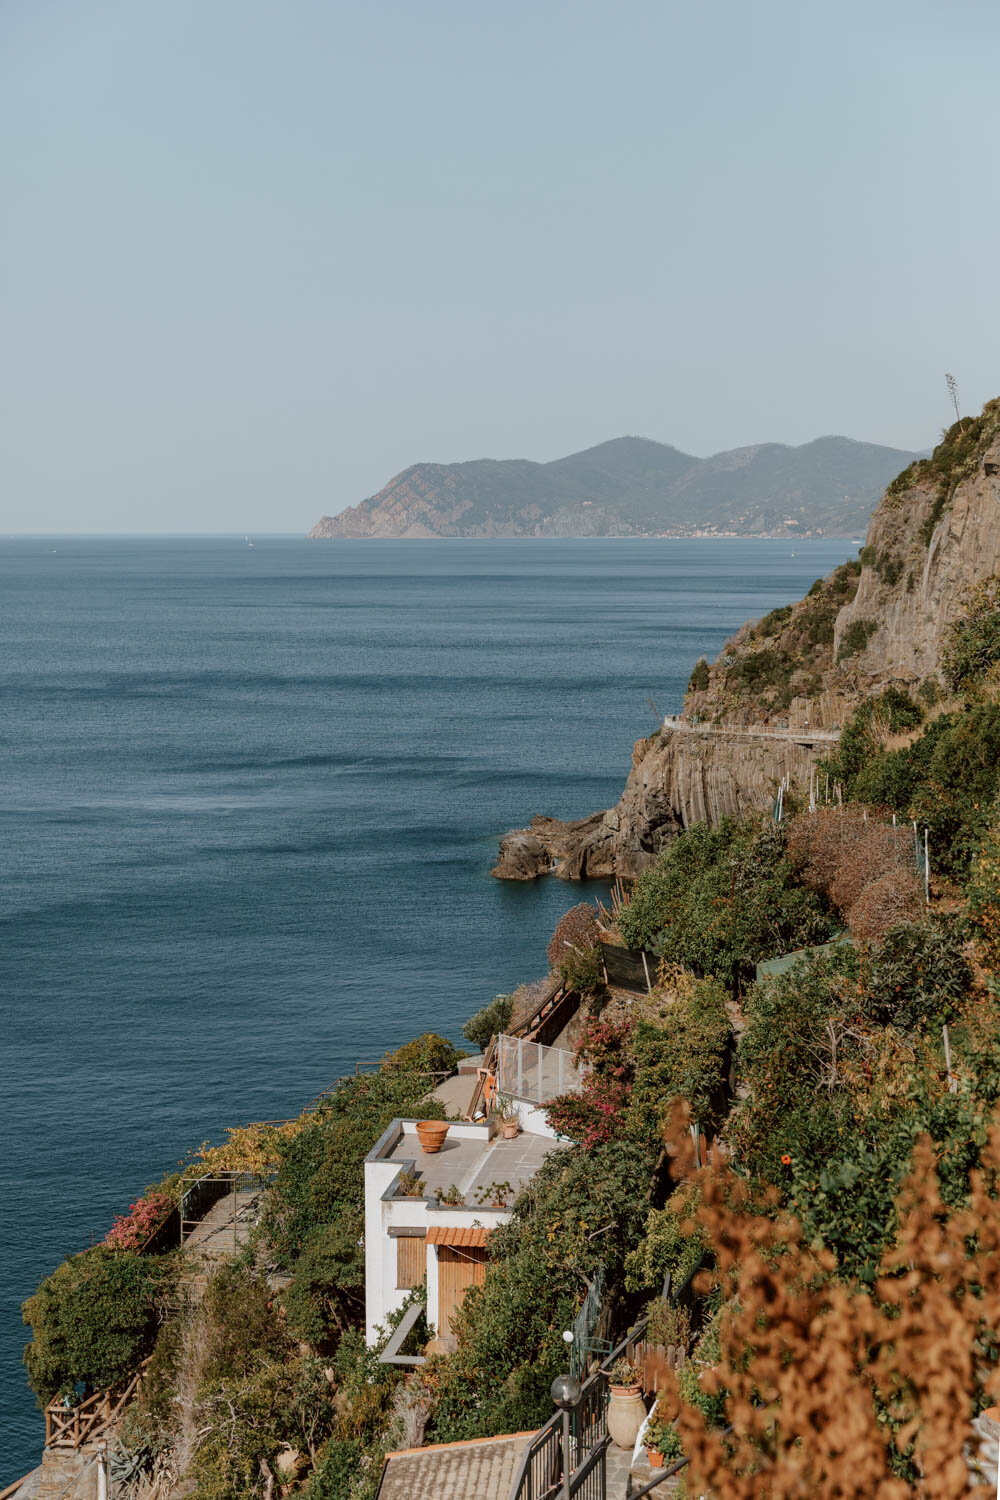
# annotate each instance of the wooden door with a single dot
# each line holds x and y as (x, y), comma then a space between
(458, 1269)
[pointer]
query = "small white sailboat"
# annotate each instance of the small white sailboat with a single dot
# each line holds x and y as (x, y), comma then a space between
(248, 541)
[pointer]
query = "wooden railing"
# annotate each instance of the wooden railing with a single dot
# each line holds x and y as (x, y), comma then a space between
(72, 1426)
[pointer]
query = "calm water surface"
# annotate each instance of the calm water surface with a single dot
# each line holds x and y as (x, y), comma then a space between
(251, 799)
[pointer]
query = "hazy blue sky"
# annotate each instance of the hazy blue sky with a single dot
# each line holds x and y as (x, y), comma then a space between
(258, 257)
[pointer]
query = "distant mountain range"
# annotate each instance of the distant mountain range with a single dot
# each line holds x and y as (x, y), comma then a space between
(632, 486)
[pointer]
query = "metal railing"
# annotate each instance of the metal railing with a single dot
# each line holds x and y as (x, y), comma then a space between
(205, 1189)
(533, 1073)
(590, 1480)
(539, 1475)
(584, 1324)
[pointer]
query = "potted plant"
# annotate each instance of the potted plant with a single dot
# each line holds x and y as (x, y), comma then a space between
(409, 1184)
(626, 1409)
(508, 1116)
(494, 1195)
(452, 1197)
(431, 1135)
(624, 1378)
(663, 1444)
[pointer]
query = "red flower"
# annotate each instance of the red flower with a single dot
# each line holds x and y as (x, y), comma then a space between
(786, 1160)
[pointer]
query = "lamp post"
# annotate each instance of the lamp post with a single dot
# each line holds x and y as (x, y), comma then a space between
(566, 1393)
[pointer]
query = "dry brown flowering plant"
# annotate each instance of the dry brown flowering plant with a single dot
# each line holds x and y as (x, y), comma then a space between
(862, 863)
(835, 1389)
(575, 932)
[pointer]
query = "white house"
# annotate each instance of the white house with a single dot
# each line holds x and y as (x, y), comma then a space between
(409, 1236)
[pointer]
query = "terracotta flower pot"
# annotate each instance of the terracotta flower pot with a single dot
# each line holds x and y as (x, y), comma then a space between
(655, 1459)
(431, 1135)
(509, 1129)
(626, 1414)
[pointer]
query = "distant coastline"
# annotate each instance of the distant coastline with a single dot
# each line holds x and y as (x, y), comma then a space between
(647, 536)
(633, 487)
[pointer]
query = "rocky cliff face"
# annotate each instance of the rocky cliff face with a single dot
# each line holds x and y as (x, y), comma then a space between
(935, 535)
(679, 776)
(772, 703)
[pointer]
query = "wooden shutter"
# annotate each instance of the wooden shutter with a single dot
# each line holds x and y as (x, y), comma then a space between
(411, 1261)
(458, 1269)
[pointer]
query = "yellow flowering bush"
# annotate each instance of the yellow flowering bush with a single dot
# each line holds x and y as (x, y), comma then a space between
(250, 1148)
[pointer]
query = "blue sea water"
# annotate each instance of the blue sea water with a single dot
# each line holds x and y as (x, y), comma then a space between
(251, 799)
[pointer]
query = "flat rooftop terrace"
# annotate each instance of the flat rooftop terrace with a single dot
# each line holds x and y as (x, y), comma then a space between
(471, 1163)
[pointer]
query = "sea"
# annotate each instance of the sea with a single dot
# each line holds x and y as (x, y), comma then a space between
(252, 791)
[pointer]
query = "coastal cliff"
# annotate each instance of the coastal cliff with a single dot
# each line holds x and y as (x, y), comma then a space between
(772, 703)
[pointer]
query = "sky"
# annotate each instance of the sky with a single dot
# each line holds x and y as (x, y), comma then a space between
(256, 258)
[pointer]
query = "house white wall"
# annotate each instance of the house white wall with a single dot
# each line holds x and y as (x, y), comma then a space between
(381, 1296)
(534, 1120)
(384, 1212)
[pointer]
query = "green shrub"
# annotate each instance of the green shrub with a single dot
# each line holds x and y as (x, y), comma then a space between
(718, 900)
(855, 638)
(771, 624)
(983, 892)
(686, 1056)
(712, 1404)
(321, 1170)
(918, 976)
(277, 1405)
(93, 1320)
(784, 1060)
(699, 679)
(341, 1463)
(955, 769)
(327, 1290)
(973, 642)
(860, 745)
(240, 1329)
(665, 1247)
(757, 670)
(426, 1054)
(583, 972)
(489, 1022)
(868, 557)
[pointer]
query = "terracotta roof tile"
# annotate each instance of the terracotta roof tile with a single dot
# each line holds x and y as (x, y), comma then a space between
(466, 1238)
(482, 1469)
